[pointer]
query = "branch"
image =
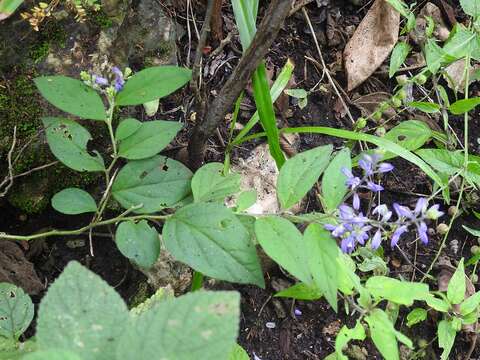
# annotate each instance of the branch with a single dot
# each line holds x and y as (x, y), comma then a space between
(218, 109)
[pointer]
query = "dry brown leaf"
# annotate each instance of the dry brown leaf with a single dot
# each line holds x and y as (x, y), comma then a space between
(371, 43)
(455, 75)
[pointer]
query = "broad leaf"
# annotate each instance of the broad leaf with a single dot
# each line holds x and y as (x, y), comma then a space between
(16, 311)
(148, 140)
(157, 183)
(416, 316)
(238, 353)
(474, 232)
(152, 83)
(73, 201)
(300, 291)
(410, 134)
(344, 337)
(399, 54)
(52, 355)
(446, 338)
(470, 304)
(300, 173)
(457, 285)
(464, 105)
(399, 292)
(334, 185)
(8, 7)
(461, 42)
(198, 326)
(246, 199)
(284, 243)
(68, 142)
(322, 253)
(126, 128)
(471, 7)
(210, 184)
(424, 106)
(435, 56)
(83, 314)
(437, 304)
(139, 242)
(210, 238)
(72, 96)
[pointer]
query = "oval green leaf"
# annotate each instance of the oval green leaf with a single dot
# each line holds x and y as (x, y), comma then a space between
(210, 184)
(210, 238)
(73, 201)
(399, 54)
(465, 105)
(126, 128)
(334, 185)
(152, 83)
(457, 285)
(426, 107)
(72, 96)
(157, 183)
(16, 311)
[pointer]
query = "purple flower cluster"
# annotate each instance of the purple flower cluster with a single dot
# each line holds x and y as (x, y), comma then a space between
(354, 228)
(118, 81)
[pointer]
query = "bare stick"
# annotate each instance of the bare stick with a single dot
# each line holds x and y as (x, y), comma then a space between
(219, 107)
(9, 179)
(217, 21)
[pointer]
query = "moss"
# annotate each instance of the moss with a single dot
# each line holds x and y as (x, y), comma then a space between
(101, 19)
(53, 34)
(142, 294)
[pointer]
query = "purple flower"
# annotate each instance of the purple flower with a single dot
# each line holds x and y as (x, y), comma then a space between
(385, 167)
(352, 181)
(100, 80)
(119, 81)
(433, 213)
(298, 312)
(374, 187)
(356, 201)
(348, 244)
(382, 210)
(396, 235)
(377, 239)
(422, 232)
(366, 163)
(403, 211)
(421, 206)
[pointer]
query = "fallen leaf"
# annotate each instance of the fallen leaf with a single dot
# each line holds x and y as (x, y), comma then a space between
(455, 75)
(371, 43)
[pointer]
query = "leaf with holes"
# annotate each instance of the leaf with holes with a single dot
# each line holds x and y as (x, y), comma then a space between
(411, 135)
(73, 201)
(157, 183)
(210, 184)
(210, 238)
(152, 83)
(300, 173)
(83, 314)
(68, 142)
(138, 242)
(197, 326)
(72, 96)
(16, 311)
(148, 140)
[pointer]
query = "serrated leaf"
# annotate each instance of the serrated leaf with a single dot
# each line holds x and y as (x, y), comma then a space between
(300, 291)
(246, 199)
(73, 201)
(399, 54)
(157, 183)
(52, 355)
(151, 138)
(399, 292)
(210, 238)
(210, 184)
(238, 353)
(322, 253)
(300, 173)
(68, 142)
(345, 335)
(464, 105)
(126, 128)
(152, 83)
(197, 326)
(83, 314)
(416, 316)
(16, 311)
(334, 186)
(446, 338)
(139, 242)
(72, 96)
(457, 285)
(284, 243)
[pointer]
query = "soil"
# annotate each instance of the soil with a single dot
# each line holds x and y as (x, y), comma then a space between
(269, 327)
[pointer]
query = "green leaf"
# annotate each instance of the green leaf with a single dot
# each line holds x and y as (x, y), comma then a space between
(52, 354)
(470, 304)
(245, 18)
(334, 185)
(210, 184)
(73, 201)
(83, 314)
(416, 316)
(474, 232)
(238, 353)
(157, 183)
(462, 42)
(152, 83)
(437, 304)
(126, 128)
(68, 142)
(72, 96)
(138, 242)
(345, 335)
(464, 105)
(151, 138)
(435, 56)
(197, 326)
(284, 243)
(210, 238)
(400, 6)
(399, 292)
(446, 338)
(322, 253)
(471, 7)
(296, 93)
(410, 134)
(399, 54)
(424, 106)
(16, 311)
(246, 199)
(384, 335)
(8, 7)
(300, 173)
(11, 349)
(300, 291)
(457, 285)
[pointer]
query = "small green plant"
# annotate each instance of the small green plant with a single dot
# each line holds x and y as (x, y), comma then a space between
(82, 317)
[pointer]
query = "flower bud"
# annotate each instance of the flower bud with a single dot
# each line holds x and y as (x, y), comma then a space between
(420, 79)
(452, 210)
(474, 278)
(401, 94)
(361, 123)
(377, 115)
(475, 250)
(402, 79)
(396, 102)
(442, 229)
(380, 131)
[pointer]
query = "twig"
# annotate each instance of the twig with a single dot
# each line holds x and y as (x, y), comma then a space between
(223, 43)
(266, 34)
(35, 169)
(9, 179)
(299, 5)
(217, 21)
